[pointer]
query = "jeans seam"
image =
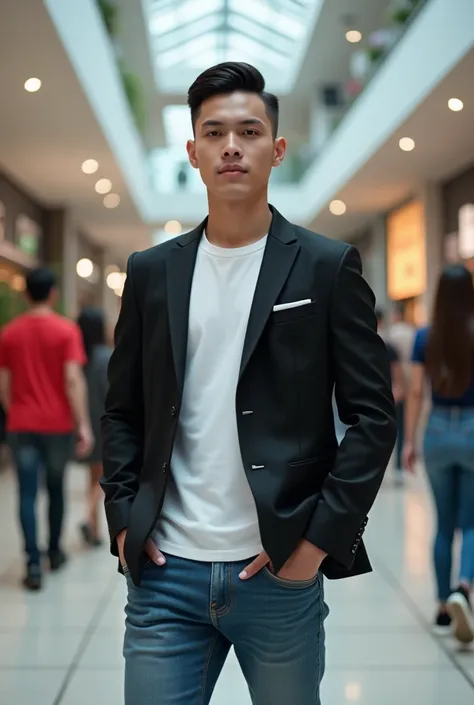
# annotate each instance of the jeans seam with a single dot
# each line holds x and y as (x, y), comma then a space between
(227, 607)
(206, 667)
(320, 626)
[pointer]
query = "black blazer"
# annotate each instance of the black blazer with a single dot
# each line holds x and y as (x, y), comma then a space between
(292, 360)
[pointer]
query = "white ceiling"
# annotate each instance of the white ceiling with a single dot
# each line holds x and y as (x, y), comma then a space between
(444, 147)
(45, 136)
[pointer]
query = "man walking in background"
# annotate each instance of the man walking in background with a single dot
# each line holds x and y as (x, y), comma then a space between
(43, 391)
(227, 496)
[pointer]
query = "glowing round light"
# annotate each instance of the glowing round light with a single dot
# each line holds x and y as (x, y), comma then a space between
(407, 144)
(455, 104)
(18, 282)
(103, 186)
(173, 227)
(84, 268)
(353, 36)
(90, 166)
(353, 692)
(116, 280)
(111, 269)
(111, 200)
(337, 207)
(32, 85)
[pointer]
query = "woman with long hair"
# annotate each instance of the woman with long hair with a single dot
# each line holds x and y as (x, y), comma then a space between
(93, 327)
(444, 353)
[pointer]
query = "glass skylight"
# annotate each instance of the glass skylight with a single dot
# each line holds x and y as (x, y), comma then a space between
(188, 36)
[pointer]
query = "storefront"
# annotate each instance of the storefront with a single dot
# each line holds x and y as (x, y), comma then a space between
(21, 242)
(458, 207)
(406, 260)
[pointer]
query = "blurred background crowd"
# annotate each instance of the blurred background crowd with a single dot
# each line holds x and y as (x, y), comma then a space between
(377, 106)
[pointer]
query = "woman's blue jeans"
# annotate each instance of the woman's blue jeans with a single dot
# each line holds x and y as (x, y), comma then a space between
(449, 459)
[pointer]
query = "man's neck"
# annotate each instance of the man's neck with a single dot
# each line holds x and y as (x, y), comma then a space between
(236, 224)
(41, 309)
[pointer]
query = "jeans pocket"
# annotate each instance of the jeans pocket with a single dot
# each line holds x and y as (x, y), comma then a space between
(290, 584)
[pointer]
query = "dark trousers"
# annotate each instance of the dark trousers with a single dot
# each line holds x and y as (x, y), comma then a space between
(34, 453)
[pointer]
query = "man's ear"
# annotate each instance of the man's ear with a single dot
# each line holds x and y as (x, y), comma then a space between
(280, 151)
(191, 149)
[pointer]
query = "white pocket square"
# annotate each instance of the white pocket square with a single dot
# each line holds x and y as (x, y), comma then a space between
(292, 304)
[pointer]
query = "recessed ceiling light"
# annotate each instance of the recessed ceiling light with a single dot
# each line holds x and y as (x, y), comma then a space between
(407, 144)
(111, 200)
(90, 166)
(353, 36)
(337, 207)
(173, 227)
(32, 85)
(84, 268)
(455, 104)
(103, 186)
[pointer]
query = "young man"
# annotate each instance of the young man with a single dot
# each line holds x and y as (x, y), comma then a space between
(43, 392)
(229, 343)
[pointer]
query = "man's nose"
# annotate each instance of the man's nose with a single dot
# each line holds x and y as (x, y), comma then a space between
(232, 148)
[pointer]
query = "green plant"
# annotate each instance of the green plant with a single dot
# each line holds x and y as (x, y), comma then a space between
(402, 14)
(134, 91)
(375, 53)
(109, 12)
(12, 304)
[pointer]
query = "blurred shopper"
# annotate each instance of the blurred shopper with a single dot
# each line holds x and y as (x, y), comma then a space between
(401, 335)
(228, 346)
(93, 327)
(445, 353)
(43, 390)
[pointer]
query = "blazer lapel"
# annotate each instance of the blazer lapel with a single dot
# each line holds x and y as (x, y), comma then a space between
(280, 253)
(179, 278)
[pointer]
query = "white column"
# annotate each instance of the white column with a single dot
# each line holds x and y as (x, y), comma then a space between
(70, 257)
(431, 195)
(375, 266)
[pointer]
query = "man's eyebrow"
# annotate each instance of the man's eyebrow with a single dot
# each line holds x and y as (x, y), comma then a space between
(247, 121)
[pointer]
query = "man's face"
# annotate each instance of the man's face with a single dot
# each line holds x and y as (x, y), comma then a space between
(234, 148)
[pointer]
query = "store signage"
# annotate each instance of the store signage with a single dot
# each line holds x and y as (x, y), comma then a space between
(466, 231)
(406, 252)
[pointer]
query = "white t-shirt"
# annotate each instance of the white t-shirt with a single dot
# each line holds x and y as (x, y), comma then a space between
(209, 513)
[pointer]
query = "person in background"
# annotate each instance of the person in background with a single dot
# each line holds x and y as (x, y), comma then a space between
(398, 390)
(444, 352)
(401, 335)
(43, 391)
(93, 327)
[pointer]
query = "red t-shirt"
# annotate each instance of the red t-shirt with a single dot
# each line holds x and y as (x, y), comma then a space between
(35, 348)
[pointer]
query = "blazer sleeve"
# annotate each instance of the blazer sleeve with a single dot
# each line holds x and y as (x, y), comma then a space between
(122, 423)
(365, 404)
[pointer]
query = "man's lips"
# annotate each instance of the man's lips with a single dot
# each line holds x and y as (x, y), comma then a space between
(232, 169)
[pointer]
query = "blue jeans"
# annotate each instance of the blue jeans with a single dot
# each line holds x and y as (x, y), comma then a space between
(185, 616)
(449, 459)
(32, 453)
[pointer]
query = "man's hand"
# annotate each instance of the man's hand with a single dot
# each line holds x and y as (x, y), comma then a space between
(150, 549)
(85, 440)
(304, 564)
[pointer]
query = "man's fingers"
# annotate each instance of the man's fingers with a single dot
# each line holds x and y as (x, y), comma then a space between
(255, 567)
(153, 552)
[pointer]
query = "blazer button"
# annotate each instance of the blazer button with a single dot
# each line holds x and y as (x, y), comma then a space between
(174, 411)
(164, 467)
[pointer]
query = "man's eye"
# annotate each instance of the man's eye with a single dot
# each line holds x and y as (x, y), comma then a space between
(250, 133)
(212, 133)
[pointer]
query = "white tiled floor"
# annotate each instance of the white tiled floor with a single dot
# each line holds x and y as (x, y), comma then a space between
(63, 646)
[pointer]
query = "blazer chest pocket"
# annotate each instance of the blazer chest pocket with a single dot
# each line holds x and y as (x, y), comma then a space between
(294, 314)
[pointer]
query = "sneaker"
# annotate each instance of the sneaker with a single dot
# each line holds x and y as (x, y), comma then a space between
(442, 625)
(57, 559)
(460, 611)
(33, 578)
